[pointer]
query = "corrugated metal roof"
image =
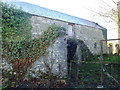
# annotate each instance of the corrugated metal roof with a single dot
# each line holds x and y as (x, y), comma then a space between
(41, 11)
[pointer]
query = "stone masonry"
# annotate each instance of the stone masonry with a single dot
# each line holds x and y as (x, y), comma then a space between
(56, 58)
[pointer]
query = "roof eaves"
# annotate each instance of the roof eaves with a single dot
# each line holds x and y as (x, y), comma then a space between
(44, 12)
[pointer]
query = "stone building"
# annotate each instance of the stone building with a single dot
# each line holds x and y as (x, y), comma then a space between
(82, 39)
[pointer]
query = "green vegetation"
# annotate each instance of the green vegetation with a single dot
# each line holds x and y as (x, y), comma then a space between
(89, 72)
(14, 51)
(15, 23)
(106, 59)
(23, 53)
(112, 59)
(18, 47)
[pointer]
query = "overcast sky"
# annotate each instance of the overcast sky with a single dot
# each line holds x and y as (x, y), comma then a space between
(80, 8)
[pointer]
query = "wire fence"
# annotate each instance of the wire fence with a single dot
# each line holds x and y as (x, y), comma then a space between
(97, 71)
(102, 70)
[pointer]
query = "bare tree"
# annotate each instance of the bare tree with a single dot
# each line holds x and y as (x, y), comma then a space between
(111, 13)
(108, 11)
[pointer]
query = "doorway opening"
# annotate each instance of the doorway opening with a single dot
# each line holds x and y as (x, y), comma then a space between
(71, 56)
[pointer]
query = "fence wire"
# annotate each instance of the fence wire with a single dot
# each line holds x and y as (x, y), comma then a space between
(101, 70)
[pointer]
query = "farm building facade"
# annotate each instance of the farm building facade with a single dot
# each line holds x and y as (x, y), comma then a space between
(42, 18)
(81, 40)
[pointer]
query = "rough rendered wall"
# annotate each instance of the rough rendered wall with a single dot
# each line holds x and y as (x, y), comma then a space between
(56, 56)
(90, 36)
(56, 59)
(40, 24)
(57, 52)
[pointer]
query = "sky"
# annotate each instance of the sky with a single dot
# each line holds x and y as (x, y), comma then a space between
(85, 9)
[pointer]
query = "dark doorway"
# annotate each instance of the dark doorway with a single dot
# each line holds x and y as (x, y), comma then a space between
(71, 50)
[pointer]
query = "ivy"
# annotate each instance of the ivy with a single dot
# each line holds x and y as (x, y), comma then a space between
(17, 46)
(36, 47)
(15, 23)
(23, 53)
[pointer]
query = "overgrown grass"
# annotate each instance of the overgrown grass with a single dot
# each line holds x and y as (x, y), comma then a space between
(113, 59)
(89, 72)
(106, 59)
(89, 75)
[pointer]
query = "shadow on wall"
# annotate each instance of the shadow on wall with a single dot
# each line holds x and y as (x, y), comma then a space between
(72, 50)
(76, 52)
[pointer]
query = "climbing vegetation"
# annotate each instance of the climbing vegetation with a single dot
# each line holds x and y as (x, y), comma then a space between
(23, 53)
(15, 23)
(17, 45)
(33, 48)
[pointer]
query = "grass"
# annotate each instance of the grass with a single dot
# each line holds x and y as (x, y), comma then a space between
(89, 73)
(89, 76)
(113, 59)
(106, 59)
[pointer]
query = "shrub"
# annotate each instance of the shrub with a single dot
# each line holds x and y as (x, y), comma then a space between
(23, 53)
(15, 23)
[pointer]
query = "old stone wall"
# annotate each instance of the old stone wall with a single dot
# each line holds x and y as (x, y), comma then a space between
(56, 58)
(90, 36)
(41, 24)
(54, 61)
